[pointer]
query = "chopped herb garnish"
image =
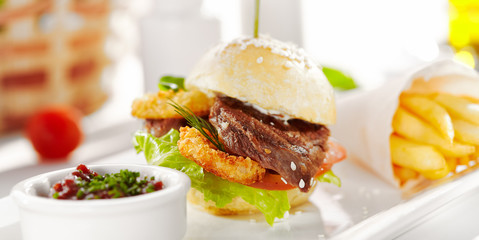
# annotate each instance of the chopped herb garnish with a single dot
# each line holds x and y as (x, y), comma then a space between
(205, 128)
(94, 186)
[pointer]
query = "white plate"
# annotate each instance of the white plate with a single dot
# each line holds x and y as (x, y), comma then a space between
(364, 207)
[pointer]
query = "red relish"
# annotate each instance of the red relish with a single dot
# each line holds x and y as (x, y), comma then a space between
(87, 184)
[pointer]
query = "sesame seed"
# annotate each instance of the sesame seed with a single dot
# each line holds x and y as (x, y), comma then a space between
(311, 181)
(288, 64)
(293, 166)
(282, 179)
(259, 60)
(301, 183)
(288, 50)
(267, 151)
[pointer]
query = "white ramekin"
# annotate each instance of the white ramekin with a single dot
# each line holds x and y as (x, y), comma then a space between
(156, 215)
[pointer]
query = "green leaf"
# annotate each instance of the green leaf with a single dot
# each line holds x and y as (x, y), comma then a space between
(330, 177)
(169, 82)
(164, 152)
(338, 79)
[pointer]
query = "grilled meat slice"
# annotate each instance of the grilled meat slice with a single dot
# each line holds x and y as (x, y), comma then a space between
(159, 127)
(293, 148)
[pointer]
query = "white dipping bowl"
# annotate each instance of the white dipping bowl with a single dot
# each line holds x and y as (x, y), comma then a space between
(157, 215)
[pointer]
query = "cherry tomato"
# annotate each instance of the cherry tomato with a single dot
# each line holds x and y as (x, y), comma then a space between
(270, 181)
(55, 132)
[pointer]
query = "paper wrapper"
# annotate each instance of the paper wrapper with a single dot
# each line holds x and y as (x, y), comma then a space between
(364, 119)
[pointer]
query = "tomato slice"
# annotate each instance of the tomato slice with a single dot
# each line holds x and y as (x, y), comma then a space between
(272, 182)
(335, 154)
(55, 132)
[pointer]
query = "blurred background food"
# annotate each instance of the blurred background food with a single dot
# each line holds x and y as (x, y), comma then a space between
(98, 55)
(464, 30)
(51, 51)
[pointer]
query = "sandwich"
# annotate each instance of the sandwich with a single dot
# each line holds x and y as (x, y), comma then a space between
(248, 126)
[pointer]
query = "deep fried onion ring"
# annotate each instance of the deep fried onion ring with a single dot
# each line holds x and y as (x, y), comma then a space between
(238, 169)
(155, 106)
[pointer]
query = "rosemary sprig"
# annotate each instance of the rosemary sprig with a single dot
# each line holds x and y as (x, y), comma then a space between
(199, 123)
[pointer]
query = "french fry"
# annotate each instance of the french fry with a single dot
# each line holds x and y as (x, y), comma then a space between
(475, 155)
(404, 174)
(473, 100)
(413, 128)
(431, 112)
(466, 132)
(459, 107)
(415, 156)
(464, 160)
(436, 174)
(451, 164)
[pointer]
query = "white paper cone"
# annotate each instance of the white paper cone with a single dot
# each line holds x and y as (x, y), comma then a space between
(364, 119)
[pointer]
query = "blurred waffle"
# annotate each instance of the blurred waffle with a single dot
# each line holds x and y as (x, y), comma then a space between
(51, 52)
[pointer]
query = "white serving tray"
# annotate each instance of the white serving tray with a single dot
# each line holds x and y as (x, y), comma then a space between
(365, 207)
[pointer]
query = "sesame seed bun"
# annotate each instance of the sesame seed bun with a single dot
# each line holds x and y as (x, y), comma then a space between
(238, 205)
(276, 76)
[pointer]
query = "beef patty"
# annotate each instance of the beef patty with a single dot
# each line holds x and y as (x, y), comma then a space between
(159, 127)
(294, 148)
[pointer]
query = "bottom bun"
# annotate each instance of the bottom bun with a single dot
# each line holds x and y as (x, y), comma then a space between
(238, 205)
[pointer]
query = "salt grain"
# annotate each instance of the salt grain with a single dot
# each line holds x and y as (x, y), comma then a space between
(293, 166)
(301, 183)
(288, 64)
(224, 124)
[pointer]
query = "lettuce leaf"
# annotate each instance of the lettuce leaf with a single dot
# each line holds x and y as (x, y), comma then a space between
(164, 152)
(170, 82)
(330, 177)
(339, 80)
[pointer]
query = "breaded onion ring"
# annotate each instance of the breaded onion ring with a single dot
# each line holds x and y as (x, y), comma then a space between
(155, 106)
(238, 169)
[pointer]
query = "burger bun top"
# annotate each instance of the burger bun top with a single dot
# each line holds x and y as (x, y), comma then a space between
(275, 76)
